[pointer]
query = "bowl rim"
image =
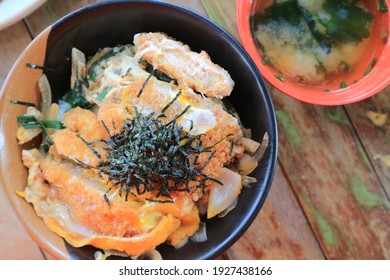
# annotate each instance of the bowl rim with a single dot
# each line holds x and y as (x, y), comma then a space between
(272, 161)
(379, 76)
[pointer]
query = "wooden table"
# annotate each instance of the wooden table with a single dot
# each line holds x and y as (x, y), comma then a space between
(330, 195)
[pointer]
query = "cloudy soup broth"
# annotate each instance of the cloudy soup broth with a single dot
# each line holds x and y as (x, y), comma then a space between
(314, 42)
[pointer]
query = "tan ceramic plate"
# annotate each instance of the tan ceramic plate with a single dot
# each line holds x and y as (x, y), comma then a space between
(21, 84)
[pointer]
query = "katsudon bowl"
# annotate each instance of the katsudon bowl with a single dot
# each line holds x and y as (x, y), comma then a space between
(108, 24)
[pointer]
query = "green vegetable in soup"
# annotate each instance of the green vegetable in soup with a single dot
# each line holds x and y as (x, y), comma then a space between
(308, 39)
(340, 20)
(346, 21)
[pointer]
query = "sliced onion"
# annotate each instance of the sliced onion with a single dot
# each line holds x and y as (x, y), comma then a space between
(247, 180)
(181, 243)
(200, 235)
(227, 210)
(263, 146)
(79, 68)
(46, 97)
(149, 255)
(246, 164)
(100, 256)
(52, 115)
(246, 132)
(250, 145)
(222, 196)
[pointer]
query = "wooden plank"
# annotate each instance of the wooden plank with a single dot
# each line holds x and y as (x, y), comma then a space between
(51, 11)
(195, 5)
(339, 191)
(328, 169)
(371, 119)
(14, 241)
(280, 231)
(223, 13)
(13, 40)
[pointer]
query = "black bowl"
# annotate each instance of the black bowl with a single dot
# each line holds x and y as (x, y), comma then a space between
(110, 23)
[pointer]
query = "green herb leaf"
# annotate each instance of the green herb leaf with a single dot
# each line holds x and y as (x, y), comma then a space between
(30, 122)
(91, 69)
(283, 11)
(76, 99)
(342, 20)
(280, 78)
(323, 40)
(346, 21)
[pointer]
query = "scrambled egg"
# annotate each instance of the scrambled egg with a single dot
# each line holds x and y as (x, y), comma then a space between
(66, 188)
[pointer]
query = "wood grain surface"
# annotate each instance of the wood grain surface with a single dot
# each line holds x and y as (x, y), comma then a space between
(330, 195)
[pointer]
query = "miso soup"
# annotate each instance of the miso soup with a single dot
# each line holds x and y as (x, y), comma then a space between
(313, 41)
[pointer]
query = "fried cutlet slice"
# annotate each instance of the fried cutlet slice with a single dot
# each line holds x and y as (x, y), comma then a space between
(83, 217)
(80, 140)
(85, 123)
(191, 69)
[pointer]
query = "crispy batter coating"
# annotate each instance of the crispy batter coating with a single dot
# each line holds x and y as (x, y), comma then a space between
(82, 127)
(191, 69)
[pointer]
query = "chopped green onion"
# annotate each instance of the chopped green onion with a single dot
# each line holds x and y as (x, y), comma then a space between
(104, 92)
(369, 68)
(92, 75)
(281, 78)
(31, 122)
(343, 84)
